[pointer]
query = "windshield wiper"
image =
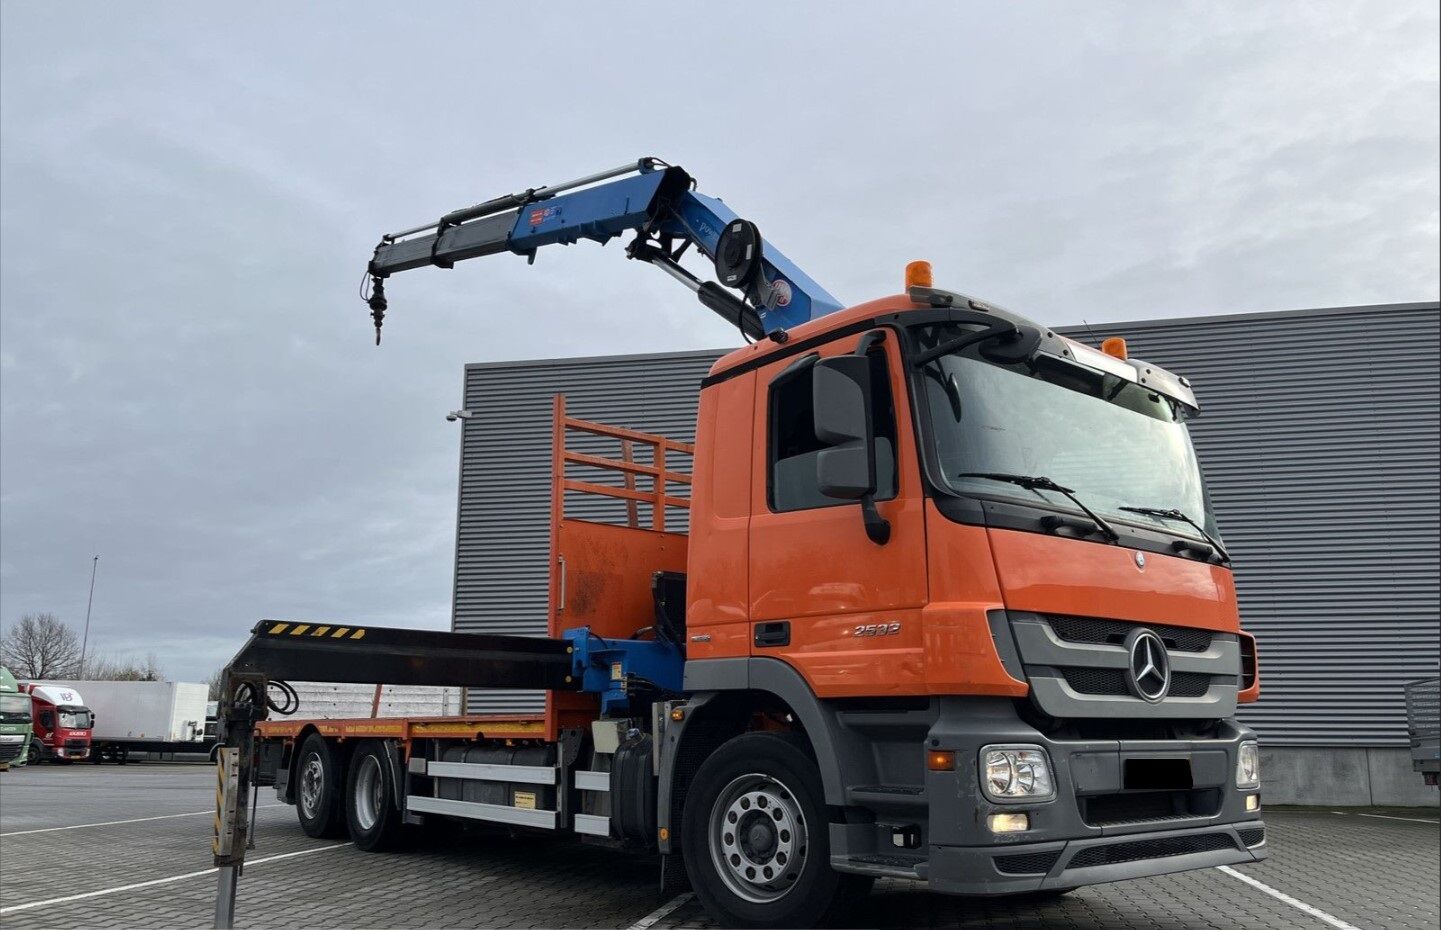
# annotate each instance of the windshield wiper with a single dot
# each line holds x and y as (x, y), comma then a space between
(1042, 483)
(1174, 514)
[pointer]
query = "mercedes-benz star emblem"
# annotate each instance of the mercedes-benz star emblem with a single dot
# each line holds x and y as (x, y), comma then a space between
(1148, 667)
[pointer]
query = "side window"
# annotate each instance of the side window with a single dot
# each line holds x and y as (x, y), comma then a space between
(793, 443)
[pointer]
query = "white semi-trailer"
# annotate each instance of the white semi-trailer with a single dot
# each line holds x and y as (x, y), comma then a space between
(144, 716)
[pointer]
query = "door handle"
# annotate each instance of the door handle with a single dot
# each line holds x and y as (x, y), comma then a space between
(777, 633)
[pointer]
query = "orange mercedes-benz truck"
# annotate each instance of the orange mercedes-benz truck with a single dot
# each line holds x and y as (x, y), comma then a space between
(945, 618)
(952, 606)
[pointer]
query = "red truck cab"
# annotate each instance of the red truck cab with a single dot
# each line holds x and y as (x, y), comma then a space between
(62, 723)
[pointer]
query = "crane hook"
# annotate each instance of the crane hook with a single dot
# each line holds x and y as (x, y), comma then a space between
(377, 303)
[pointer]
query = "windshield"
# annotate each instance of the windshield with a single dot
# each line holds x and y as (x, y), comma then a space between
(1114, 442)
(14, 708)
(75, 718)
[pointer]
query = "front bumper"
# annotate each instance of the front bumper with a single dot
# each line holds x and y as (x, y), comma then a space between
(1073, 863)
(1127, 805)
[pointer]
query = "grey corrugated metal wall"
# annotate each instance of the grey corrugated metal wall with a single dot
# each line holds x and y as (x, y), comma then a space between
(504, 514)
(1319, 436)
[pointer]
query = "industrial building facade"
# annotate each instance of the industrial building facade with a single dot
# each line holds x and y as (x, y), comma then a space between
(1319, 439)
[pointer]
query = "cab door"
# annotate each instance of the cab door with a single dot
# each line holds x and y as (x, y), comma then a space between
(842, 609)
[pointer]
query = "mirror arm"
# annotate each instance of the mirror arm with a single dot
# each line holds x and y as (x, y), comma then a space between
(878, 528)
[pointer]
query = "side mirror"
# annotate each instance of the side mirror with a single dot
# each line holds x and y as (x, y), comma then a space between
(846, 468)
(840, 397)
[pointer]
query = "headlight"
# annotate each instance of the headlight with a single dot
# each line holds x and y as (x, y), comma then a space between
(1016, 773)
(1248, 766)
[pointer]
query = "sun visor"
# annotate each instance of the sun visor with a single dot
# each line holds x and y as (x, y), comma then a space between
(1144, 373)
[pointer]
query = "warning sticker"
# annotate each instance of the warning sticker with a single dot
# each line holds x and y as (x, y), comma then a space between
(541, 214)
(525, 799)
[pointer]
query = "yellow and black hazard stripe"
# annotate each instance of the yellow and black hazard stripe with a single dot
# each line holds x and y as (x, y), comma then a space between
(313, 629)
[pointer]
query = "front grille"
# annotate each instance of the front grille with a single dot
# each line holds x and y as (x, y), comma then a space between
(1252, 836)
(1028, 863)
(1114, 632)
(1189, 684)
(76, 744)
(1104, 810)
(1150, 849)
(10, 751)
(1113, 681)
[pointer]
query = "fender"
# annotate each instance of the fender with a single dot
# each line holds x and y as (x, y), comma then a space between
(840, 754)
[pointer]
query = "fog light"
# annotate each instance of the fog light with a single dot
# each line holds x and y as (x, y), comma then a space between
(1253, 802)
(1016, 773)
(1008, 823)
(1248, 766)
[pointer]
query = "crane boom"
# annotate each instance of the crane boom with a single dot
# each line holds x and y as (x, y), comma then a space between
(655, 200)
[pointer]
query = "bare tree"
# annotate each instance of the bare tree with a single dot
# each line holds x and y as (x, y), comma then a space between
(108, 668)
(215, 680)
(41, 646)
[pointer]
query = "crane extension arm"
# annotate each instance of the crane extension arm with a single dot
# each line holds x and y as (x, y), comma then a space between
(656, 200)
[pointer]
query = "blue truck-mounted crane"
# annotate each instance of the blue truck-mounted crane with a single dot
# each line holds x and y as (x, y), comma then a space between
(655, 200)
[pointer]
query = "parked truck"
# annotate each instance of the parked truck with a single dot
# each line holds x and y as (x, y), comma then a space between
(14, 722)
(122, 717)
(61, 722)
(950, 605)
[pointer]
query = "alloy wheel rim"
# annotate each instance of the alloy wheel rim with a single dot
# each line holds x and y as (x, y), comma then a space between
(312, 784)
(757, 838)
(369, 793)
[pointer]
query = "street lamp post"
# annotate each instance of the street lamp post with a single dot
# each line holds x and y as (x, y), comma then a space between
(85, 639)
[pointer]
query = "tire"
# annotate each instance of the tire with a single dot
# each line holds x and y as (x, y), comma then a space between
(319, 779)
(370, 794)
(32, 754)
(755, 837)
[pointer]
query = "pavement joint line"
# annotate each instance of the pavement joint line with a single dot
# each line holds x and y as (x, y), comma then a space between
(159, 881)
(1394, 817)
(112, 823)
(1316, 912)
(662, 912)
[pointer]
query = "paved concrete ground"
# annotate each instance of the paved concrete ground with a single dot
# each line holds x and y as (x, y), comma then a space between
(1357, 868)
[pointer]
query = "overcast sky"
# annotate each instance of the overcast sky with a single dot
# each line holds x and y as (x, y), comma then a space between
(188, 380)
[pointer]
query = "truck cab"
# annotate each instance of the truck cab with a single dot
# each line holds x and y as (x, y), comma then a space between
(963, 564)
(14, 722)
(62, 723)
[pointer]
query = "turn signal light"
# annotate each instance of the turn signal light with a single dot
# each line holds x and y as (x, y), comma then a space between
(1114, 347)
(939, 760)
(918, 274)
(677, 714)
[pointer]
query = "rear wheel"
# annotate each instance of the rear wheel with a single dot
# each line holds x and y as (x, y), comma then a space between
(370, 799)
(756, 837)
(318, 788)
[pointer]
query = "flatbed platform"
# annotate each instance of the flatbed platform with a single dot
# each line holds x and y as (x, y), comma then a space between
(490, 726)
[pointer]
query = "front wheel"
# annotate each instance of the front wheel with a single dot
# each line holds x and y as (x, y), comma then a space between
(370, 799)
(756, 837)
(32, 755)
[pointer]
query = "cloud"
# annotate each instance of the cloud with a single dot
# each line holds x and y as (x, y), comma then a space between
(187, 384)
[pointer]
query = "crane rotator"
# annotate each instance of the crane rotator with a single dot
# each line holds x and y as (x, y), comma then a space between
(656, 200)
